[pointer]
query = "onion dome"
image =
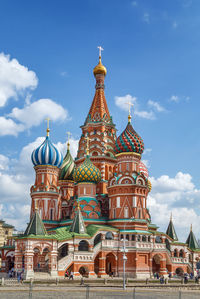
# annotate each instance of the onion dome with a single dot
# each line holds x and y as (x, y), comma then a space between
(47, 154)
(149, 185)
(87, 172)
(143, 169)
(100, 68)
(67, 167)
(129, 141)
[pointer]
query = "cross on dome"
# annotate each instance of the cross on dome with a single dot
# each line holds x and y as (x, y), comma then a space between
(48, 130)
(68, 144)
(100, 49)
(129, 110)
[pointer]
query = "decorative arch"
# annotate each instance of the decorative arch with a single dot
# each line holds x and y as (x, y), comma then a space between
(109, 236)
(83, 245)
(97, 239)
(110, 263)
(124, 178)
(113, 181)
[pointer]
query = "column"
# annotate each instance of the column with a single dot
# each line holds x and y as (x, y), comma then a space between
(102, 264)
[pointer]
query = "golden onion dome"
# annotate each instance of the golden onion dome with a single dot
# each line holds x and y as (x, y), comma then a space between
(100, 68)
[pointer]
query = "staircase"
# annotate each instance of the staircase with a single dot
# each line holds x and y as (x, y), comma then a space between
(65, 262)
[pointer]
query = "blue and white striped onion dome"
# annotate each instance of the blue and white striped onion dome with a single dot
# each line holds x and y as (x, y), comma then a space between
(47, 154)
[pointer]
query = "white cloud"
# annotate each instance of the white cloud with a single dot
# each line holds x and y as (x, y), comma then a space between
(146, 18)
(147, 151)
(145, 114)
(33, 114)
(4, 162)
(156, 106)
(73, 147)
(121, 102)
(175, 99)
(14, 79)
(146, 163)
(179, 196)
(9, 127)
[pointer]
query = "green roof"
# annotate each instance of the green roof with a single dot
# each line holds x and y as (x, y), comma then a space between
(171, 231)
(35, 226)
(191, 241)
(78, 225)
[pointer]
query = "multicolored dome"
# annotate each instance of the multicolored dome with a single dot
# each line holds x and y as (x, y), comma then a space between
(67, 167)
(143, 169)
(87, 172)
(129, 141)
(47, 154)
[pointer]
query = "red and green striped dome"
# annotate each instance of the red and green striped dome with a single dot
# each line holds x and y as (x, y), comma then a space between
(129, 141)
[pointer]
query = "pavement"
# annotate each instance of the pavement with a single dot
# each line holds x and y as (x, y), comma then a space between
(80, 292)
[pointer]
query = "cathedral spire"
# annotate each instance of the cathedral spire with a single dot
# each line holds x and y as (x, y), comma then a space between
(171, 230)
(99, 110)
(191, 240)
(78, 225)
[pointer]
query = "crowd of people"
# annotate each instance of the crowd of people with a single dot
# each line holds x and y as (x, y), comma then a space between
(185, 276)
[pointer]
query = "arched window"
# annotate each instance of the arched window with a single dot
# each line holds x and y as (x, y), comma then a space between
(158, 239)
(97, 239)
(133, 238)
(121, 237)
(109, 236)
(127, 237)
(144, 238)
(83, 246)
(181, 253)
(175, 253)
(138, 238)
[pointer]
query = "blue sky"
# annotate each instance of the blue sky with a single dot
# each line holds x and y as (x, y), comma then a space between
(151, 51)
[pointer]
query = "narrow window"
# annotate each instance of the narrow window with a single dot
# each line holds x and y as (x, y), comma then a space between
(50, 178)
(114, 213)
(120, 167)
(43, 178)
(51, 214)
(118, 202)
(127, 166)
(84, 191)
(126, 212)
(134, 201)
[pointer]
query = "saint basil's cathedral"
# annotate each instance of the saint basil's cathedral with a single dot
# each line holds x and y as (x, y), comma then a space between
(83, 211)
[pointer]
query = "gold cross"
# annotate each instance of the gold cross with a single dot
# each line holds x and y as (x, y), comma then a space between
(48, 120)
(68, 144)
(129, 110)
(87, 145)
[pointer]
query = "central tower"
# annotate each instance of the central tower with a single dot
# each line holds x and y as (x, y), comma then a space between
(100, 130)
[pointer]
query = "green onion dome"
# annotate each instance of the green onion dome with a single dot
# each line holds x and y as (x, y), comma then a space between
(129, 141)
(67, 167)
(87, 172)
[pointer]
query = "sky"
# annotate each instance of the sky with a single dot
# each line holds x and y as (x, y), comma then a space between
(151, 51)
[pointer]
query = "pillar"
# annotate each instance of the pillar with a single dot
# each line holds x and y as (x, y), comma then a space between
(102, 264)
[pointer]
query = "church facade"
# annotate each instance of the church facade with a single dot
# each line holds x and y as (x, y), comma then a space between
(90, 215)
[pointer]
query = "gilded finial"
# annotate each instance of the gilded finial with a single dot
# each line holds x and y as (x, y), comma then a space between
(78, 205)
(129, 111)
(87, 145)
(171, 216)
(68, 144)
(48, 130)
(191, 227)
